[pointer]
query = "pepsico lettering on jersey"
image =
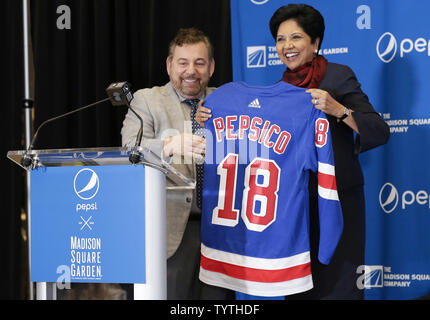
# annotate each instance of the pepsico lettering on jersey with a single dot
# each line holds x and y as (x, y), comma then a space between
(244, 127)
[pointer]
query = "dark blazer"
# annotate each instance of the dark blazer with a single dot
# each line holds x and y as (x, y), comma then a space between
(342, 84)
(338, 279)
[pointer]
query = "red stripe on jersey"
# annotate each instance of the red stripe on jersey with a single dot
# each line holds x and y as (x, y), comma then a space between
(257, 275)
(327, 181)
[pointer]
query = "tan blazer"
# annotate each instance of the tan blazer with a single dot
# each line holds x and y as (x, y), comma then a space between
(164, 115)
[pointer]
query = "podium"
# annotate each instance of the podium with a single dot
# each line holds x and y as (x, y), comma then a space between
(96, 218)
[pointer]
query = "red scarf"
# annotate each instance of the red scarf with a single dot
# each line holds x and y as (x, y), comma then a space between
(308, 75)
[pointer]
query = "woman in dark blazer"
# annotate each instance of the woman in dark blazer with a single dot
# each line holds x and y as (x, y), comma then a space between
(355, 127)
(299, 30)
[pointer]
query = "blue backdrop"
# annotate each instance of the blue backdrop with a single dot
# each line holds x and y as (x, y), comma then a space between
(387, 44)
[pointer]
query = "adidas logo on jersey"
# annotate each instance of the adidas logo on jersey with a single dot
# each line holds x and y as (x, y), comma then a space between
(255, 104)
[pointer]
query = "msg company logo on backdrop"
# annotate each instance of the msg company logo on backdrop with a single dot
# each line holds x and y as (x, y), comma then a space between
(262, 56)
(403, 125)
(387, 47)
(256, 57)
(390, 198)
(379, 276)
(267, 56)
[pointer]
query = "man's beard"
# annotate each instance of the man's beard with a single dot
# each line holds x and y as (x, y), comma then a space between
(194, 91)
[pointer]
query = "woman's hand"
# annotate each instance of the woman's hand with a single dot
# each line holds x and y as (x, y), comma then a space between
(323, 101)
(202, 114)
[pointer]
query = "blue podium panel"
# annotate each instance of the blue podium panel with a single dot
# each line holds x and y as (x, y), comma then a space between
(88, 224)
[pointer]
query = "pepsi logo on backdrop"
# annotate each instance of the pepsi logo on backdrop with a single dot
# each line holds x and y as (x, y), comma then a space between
(388, 197)
(259, 2)
(386, 47)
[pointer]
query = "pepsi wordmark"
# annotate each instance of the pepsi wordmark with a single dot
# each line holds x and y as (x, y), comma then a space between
(387, 46)
(389, 198)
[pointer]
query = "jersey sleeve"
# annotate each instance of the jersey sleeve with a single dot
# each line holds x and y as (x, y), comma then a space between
(330, 211)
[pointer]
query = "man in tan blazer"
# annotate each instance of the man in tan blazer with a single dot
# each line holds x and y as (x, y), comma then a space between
(168, 130)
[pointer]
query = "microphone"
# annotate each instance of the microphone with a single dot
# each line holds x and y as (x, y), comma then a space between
(118, 93)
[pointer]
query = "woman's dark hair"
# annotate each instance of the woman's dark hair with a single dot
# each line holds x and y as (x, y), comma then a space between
(308, 18)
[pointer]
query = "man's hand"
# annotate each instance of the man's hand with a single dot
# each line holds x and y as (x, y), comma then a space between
(185, 144)
(202, 114)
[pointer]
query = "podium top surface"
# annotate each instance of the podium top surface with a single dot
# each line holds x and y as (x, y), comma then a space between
(99, 157)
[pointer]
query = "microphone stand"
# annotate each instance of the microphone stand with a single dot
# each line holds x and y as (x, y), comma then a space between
(121, 95)
(28, 159)
(135, 153)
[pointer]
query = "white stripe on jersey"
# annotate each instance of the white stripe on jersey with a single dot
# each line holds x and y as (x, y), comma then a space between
(256, 263)
(263, 289)
(326, 168)
(328, 194)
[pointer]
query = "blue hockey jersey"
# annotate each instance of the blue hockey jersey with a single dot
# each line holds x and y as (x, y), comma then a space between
(261, 144)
